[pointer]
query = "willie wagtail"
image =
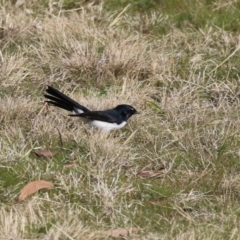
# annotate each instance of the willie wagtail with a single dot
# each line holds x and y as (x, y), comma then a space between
(106, 120)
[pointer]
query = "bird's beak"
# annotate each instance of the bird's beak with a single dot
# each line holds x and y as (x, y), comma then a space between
(137, 112)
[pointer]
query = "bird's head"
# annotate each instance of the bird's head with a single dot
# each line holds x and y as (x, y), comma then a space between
(126, 110)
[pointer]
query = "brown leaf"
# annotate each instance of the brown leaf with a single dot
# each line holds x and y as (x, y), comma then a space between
(44, 153)
(33, 187)
(120, 232)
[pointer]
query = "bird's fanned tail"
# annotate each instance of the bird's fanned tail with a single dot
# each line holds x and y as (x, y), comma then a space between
(60, 100)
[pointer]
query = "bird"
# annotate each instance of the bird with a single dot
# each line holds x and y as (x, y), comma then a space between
(106, 120)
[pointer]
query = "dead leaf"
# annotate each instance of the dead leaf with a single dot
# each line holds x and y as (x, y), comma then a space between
(33, 187)
(120, 232)
(44, 153)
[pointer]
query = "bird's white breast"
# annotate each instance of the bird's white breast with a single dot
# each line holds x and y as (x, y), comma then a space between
(105, 126)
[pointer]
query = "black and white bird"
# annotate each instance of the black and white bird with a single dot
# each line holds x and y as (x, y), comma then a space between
(106, 120)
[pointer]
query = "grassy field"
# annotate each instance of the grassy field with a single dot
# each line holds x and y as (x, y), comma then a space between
(173, 172)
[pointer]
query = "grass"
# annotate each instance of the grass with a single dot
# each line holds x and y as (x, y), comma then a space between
(174, 61)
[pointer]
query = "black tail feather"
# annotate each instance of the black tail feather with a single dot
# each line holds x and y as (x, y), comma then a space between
(60, 105)
(60, 100)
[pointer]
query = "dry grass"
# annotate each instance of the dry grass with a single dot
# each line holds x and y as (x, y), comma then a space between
(185, 83)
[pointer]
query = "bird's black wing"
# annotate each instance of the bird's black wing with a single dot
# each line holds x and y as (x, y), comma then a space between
(105, 116)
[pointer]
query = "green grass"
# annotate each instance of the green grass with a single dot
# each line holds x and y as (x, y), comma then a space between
(186, 14)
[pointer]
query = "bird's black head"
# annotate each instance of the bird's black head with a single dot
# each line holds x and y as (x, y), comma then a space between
(126, 111)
